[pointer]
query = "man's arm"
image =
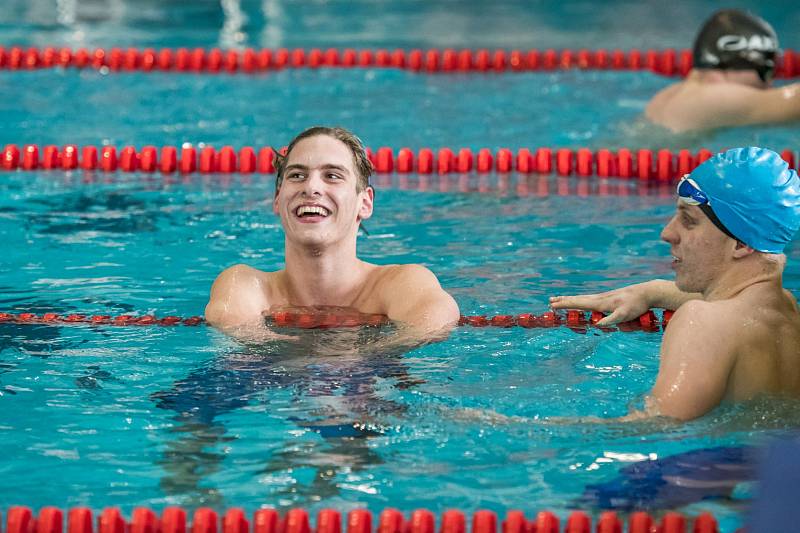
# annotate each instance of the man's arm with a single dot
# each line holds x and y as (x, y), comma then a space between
(740, 105)
(781, 104)
(697, 356)
(628, 303)
(414, 297)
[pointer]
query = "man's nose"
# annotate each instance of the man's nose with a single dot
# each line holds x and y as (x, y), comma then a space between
(669, 234)
(313, 184)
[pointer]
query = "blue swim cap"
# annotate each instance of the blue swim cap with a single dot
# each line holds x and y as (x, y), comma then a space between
(755, 195)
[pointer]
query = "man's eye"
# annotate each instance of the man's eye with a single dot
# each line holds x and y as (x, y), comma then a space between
(687, 221)
(295, 176)
(334, 177)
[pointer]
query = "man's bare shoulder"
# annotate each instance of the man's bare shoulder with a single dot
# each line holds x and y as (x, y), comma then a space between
(239, 295)
(412, 294)
(393, 275)
(693, 105)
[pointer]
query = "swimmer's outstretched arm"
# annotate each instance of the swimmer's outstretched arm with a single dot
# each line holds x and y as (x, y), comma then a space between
(628, 303)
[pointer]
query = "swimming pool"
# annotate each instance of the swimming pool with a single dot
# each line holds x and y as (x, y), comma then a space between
(115, 416)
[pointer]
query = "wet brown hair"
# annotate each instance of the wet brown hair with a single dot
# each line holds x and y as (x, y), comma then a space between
(361, 162)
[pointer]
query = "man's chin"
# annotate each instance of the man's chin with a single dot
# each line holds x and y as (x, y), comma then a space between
(686, 285)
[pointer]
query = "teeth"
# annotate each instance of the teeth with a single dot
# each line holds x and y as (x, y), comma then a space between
(311, 210)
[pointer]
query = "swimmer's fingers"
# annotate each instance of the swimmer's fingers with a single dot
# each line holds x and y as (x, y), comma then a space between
(586, 302)
(619, 315)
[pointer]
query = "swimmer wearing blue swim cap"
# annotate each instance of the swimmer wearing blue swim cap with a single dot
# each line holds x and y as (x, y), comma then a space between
(751, 194)
(734, 55)
(735, 334)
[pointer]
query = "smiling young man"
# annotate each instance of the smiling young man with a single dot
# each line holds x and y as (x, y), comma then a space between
(322, 195)
(736, 332)
(730, 83)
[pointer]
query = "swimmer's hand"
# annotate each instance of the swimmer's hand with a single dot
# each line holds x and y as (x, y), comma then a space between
(627, 303)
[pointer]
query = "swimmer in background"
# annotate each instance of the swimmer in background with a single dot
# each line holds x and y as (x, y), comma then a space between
(730, 84)
(735, 334)
(322, 194)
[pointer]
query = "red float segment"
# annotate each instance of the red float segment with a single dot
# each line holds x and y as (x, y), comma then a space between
(673, 523)
(578, 522)
(453, 522)
(484, 522)
(609, 523)
(10, 157)
(640, 522)
(485, 160)
(111, 521)
(405, 161)
(504, 160)
(445, 161)
(359, 521)
(391, 521)
(296, 521)
(30, 157)
(422, 521)
(226, 162)
(705, 523)
(108, 159)
(525, 161)
(50, 520)
(329, 521)
(205, 521)
(169, 160)
(564, 162)
(425, 161)
(89, 158)
(384, 160)
(235, 521)
(546, 522)
(464, 161)
(173, 520)
(79, 520)
(266, 521)
(19, 520)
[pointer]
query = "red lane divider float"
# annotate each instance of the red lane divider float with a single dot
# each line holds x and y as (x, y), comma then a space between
(668, 62)
(572, 319)
(644, 165)
(205, 520)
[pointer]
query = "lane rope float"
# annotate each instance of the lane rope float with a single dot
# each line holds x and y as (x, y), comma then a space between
(662, 165)
(667, 62)
(572, 318)
(20, 519)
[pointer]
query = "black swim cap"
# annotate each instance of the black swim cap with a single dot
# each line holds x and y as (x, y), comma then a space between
(737, 40)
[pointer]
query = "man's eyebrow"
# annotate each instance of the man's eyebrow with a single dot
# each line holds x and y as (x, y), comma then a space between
(329, 166)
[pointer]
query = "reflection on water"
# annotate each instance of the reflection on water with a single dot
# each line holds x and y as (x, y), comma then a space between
(332, 396)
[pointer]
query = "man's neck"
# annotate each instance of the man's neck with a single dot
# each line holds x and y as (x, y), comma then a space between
(323, 276)
(740, 277)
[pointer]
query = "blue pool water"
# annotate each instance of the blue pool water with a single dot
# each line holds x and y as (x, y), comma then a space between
(128, 416)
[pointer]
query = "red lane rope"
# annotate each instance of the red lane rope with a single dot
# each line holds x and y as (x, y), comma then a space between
(668, 62)
(174, 520)
(662, 165)
(574, 319)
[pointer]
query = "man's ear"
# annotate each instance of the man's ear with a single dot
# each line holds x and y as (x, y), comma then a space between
(275, 203)
(367, 199)
(742, 250)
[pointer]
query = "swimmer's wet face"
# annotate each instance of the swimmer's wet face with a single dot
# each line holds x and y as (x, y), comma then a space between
(318, 200)
(699, 249)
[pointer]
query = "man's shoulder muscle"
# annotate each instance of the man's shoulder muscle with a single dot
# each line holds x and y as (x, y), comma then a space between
(238, 295)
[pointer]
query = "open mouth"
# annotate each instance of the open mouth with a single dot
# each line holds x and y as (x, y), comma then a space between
(311, 212)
